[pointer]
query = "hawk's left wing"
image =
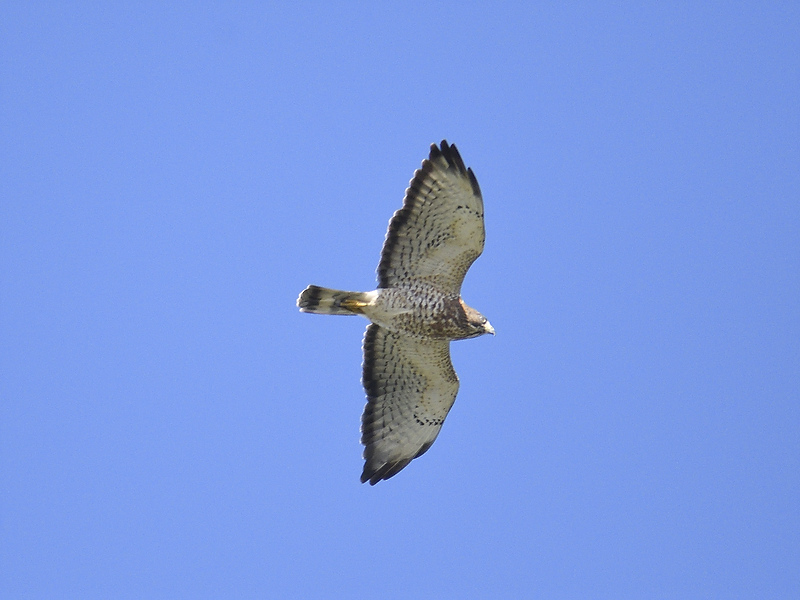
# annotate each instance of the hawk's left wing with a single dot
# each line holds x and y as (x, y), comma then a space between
(410, 385)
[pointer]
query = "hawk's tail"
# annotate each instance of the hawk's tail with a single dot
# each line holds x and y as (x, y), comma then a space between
(324, 301)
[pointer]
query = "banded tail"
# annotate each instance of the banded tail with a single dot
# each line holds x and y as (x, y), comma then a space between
(325, 301)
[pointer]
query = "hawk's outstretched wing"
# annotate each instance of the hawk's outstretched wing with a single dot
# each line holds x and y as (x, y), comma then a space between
(439, 232)
(410, 385)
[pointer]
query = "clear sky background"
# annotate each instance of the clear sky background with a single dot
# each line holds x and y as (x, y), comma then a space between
(172, 177)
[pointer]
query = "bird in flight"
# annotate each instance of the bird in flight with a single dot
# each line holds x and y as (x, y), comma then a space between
(415, 312)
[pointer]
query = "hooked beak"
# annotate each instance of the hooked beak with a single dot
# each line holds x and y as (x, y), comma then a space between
(488, 327)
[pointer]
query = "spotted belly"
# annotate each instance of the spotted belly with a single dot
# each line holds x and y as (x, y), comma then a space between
(425, 314)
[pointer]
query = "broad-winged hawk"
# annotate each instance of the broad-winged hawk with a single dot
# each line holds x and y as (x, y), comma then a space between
(415, 312)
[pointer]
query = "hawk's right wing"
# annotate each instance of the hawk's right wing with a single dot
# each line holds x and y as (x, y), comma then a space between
(411, 386)
(439, 232)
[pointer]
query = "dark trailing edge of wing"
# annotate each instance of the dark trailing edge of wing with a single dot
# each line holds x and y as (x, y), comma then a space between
(367, 369)
(374, 470)
(454, 161)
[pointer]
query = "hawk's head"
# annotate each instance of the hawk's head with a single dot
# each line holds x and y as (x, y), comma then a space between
(477, 323)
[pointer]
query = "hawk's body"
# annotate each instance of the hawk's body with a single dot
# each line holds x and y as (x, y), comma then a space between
(415, 312)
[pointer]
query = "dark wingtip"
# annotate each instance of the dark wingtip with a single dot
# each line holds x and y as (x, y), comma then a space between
(385, 471)
(450, 154)
(453, 157)
(476, 189)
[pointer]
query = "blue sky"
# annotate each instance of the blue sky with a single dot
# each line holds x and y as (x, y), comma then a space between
(172, 177)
